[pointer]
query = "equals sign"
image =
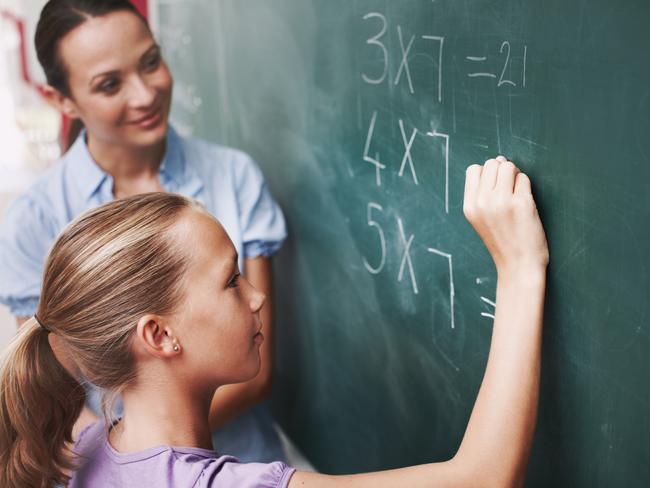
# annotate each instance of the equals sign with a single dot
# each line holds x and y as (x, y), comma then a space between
(490, 303)
(482, 74)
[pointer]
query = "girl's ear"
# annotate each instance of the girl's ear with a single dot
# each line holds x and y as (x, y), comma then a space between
(59, 101)
(156, 339)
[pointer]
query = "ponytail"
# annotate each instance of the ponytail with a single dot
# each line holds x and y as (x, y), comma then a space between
(39, 404)
(107, 269)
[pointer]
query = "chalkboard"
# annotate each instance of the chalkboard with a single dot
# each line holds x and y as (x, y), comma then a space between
(364, 115)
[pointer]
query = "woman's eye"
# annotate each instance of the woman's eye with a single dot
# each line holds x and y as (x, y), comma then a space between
(233, 281)
(152, 62)
(109, 86)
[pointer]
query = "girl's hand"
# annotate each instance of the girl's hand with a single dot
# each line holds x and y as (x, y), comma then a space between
(496, 444)
(500, 206)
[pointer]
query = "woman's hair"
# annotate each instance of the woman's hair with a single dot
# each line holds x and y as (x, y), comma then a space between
(59, 17)
(107, 269)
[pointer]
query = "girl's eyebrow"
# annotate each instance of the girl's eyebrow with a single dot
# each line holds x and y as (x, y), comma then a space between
(231, 264)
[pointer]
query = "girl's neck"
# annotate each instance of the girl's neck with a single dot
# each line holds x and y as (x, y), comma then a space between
(156, 417)
(133, 170)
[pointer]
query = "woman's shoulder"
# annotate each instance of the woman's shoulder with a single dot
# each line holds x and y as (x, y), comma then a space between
(49, 187)
(36, 207)
(45, 183)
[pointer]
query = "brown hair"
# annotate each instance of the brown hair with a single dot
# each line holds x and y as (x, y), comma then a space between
(57, 19)
(109, 267)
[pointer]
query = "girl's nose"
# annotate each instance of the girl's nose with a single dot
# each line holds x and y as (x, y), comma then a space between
(257, 299)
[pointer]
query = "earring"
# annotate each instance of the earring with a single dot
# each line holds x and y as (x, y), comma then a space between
(176, 348)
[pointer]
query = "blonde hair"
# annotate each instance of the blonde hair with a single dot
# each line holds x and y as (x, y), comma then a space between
(109, 267)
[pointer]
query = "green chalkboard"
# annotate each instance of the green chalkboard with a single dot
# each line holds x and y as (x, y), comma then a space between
(364, 115)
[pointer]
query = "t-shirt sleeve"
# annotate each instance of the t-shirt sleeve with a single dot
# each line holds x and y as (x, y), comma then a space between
(245, 475)
(25, 237)
(262, 223)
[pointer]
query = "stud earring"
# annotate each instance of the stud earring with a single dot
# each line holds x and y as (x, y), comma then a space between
(176, 348)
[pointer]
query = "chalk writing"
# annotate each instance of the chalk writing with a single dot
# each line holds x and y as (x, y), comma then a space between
(375, 161)
(382, 240)
(403, 70)
(452, 292)
(444, 137)
(407, 151)
(504, 77)
(375, 41)
(490, 303)
(392, 57)
(406, 256)
(404, 65)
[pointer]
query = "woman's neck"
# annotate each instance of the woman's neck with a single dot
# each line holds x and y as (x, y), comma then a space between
(133, 170)
(155, 416)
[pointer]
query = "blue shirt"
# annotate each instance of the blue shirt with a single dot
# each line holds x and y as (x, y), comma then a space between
(226, 181)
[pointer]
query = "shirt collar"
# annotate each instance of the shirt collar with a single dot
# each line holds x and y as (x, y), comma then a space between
(173, 164)
(87, 174)
(175, 175)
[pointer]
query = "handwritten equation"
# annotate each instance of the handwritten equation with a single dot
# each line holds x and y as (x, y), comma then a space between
(478, 65)
(502, 67)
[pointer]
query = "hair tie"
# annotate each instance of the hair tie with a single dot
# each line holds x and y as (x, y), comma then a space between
(41, 323)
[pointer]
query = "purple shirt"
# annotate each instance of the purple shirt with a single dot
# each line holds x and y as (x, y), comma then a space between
(167, 466)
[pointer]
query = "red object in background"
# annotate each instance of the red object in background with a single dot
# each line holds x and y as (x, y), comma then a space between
(142, 6)
(24, 66)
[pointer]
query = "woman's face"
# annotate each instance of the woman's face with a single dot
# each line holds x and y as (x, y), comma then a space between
(218, 325)
(119, 85)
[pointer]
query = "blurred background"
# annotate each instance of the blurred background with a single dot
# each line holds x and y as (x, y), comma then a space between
(30, 130)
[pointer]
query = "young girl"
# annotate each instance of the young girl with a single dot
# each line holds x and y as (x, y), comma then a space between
(103, 67)
(143, 297)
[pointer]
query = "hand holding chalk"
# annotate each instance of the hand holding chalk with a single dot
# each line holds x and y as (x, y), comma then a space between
(500, 206)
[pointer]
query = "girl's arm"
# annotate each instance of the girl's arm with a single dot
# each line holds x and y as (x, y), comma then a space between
(496, 445)
(229, 401)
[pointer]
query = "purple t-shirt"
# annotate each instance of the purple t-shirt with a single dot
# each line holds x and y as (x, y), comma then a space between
(165, 466)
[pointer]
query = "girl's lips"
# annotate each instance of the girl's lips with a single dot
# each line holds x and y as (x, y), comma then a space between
(258, 338)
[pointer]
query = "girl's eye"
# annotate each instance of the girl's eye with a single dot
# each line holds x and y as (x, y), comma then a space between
(233, 281)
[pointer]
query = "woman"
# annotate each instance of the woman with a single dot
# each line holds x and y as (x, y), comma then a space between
(104, 68)
(143, 297)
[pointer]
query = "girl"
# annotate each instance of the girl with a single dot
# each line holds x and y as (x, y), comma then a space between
(103, 67)
(143, 297)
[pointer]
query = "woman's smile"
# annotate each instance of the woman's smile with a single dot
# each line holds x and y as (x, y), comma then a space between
(149, 120)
